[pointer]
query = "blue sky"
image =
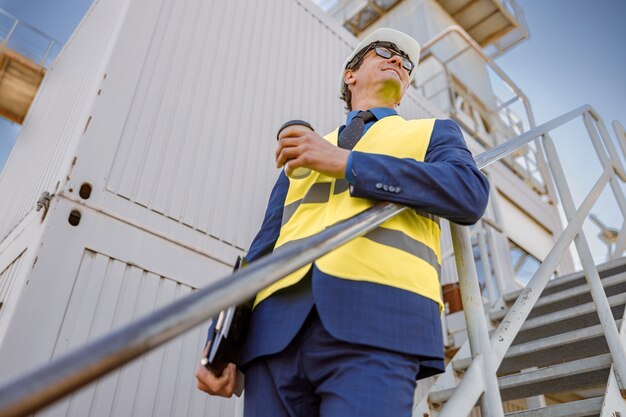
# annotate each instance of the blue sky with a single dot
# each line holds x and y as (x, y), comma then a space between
(575, 56)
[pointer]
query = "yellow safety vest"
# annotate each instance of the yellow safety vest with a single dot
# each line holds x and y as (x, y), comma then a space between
(404, 252)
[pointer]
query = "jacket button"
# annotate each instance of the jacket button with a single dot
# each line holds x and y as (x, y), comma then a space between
(392, 189)
(379, 185)
(385, 187)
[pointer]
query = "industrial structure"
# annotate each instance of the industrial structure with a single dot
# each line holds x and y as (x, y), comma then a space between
(134, 183)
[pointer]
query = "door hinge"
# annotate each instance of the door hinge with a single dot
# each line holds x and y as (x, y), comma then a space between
(44, 203)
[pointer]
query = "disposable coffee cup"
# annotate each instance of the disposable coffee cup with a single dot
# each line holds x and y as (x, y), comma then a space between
(297, 126)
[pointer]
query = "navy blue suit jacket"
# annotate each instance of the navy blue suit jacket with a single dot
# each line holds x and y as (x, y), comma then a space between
(446, 184)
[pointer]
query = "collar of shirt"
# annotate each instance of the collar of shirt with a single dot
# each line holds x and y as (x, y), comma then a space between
(379, 113)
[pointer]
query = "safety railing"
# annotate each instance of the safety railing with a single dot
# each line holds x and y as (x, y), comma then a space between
(480, 376)
(489, 124)
(470, 44)
(620, 245)
(27, 40)
(65, 374)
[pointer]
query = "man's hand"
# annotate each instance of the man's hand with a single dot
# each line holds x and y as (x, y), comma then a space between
(308, 149)
(224, 386)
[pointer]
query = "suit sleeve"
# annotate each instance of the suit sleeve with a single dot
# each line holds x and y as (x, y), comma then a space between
(447, 183)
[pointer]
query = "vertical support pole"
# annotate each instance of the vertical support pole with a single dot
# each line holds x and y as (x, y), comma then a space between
(490, 401)
(453, 110)
(499, 243)
(620, 136)
(485, 258)
(617, 165)
(618, 353)
(501, 259)
(610, 161)
(47, 54)
(620, 245)
(11, 31)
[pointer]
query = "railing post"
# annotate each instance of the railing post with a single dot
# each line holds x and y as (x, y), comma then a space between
(618, 353)
(11, 31)
(478, 335)
(620, 245)
(47, 54)
(486, 263)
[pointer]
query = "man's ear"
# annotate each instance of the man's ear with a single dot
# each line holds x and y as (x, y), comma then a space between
(349, 77)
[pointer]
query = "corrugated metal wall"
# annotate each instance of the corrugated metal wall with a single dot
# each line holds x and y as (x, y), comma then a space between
(7, 279)
(107, 294)
(212, 83)
(45, 147)
(218, 80)
(197, 142)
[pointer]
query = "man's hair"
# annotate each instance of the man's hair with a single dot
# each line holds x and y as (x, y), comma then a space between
(355, 64)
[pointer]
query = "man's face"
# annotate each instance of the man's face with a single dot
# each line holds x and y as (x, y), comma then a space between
(378, 76)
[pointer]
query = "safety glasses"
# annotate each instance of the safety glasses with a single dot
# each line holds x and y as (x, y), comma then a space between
(386, 53)
(383, 50)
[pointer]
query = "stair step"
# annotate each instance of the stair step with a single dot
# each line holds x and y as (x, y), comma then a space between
(579, 374)
(574, 280)
(590, 407)
(570, 319)
(560, 348)
(571, 297)
(553, 350)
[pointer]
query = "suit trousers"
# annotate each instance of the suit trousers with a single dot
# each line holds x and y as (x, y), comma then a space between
(319, 375)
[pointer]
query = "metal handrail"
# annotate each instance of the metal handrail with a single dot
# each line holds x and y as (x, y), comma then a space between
(475, 381)
(620, 245)
(471, 43)
(16, 22)
(528, 168)
(69, 372)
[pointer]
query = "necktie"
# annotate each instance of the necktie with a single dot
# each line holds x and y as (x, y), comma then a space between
(351, 134)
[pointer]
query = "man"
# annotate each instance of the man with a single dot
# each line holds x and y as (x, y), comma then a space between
(350, 334)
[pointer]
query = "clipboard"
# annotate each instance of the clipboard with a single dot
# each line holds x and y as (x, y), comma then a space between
(229, 336)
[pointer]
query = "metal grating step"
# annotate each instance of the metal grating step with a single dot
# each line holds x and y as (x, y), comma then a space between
(584, 408)
(557, 349)
(574, 280)
(579, 374)
(570, 319)
(571, 297)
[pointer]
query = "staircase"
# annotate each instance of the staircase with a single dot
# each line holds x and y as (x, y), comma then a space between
(561, 346)
(558, 342)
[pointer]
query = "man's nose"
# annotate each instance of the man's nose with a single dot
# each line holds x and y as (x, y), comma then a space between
(396, 59)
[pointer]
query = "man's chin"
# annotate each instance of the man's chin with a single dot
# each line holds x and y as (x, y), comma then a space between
(392, 90)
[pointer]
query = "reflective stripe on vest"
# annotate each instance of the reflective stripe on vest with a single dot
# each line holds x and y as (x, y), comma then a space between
(403, 252)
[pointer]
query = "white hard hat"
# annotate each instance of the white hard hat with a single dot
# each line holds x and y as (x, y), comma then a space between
(407, 44)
